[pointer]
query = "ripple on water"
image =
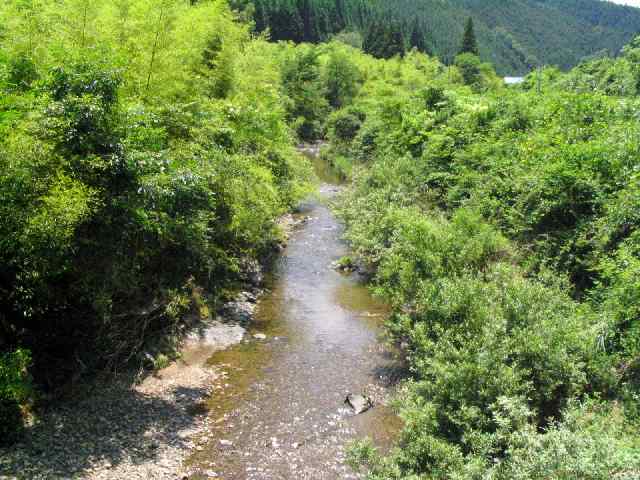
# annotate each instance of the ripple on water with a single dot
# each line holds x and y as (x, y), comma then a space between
(279, 412)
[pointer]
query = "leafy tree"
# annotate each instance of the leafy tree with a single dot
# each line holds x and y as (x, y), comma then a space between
(122, 158)
(14, 389)
(302, 84)
(469, 66)
(22, 72)
(384, 40)
(341, 77)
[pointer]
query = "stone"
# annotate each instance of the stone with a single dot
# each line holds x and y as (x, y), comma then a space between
(239, 312)
(259, 336)
(215, 334)
(252, 272)
(247, 296)
(359, 403)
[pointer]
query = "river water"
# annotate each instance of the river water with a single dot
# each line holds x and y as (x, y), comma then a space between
(280, 412)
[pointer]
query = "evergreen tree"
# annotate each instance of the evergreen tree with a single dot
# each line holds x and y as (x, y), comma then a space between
(384, 40)
(417, 39)
(469, 42)
(396, 43)
(286, 23)
(307, 16)
(371, 38)
(341, 79)
(260, 17)
(340, 21)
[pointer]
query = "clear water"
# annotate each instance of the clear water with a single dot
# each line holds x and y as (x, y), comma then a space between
(282, 407)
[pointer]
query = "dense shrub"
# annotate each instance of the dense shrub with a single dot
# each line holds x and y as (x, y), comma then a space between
(302, 83)
(14, 389)
(136, 168)
(502, 227)
(344, 125)
(341, 77)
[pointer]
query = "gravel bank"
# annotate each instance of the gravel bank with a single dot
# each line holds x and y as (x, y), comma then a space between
(110, 429)
(115, 428)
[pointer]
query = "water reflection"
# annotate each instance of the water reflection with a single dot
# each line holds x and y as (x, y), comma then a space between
(280, 409)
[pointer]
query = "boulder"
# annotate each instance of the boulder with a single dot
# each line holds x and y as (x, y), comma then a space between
(359, 403)
(240, 312)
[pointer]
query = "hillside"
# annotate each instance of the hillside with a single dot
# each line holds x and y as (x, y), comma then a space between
(519, 33)
(514, 35)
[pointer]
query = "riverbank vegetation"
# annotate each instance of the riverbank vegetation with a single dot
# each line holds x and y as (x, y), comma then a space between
(148, 149)
(144, 160)
(502, 226)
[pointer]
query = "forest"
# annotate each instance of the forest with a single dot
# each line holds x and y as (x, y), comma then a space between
(515, 36)
(148, 149)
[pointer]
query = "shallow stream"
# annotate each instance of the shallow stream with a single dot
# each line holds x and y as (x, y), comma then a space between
(280, 413)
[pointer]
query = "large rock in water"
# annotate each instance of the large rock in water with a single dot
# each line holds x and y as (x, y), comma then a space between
(359, 403)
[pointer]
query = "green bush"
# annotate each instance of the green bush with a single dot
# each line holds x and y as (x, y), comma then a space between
(593, 441)
(127, 179)
(302, 83)
(22, 73)
(502, 228)
(344, 125)
(469, 66)
(14, 390)
(341, 77)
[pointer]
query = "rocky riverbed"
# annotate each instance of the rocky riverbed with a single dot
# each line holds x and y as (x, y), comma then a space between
(284, 416)
(258, 393)
(116, 428)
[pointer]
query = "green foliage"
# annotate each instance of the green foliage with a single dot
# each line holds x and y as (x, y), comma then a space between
(515, 37)
(135, 166)
(14, 389)
(469, 42)
(138, 166)
(384, 39)
(418, 38)
(341, 77)
(22, 73)
(592, 442)
(81, 117)
(502, 226)
(345, 124)
(469, 65)
(302, 83)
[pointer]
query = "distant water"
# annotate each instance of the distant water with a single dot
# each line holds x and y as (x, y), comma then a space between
(513, 80)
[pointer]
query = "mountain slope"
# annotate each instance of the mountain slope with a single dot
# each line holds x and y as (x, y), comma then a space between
(515, 35)
(518, 34)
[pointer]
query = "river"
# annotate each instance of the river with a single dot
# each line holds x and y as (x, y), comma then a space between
(280, 412)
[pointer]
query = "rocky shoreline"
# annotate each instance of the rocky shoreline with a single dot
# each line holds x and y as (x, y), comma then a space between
(113, 428)
(117, 428)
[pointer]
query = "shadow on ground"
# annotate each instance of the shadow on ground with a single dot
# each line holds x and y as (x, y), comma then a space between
(103, 427)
